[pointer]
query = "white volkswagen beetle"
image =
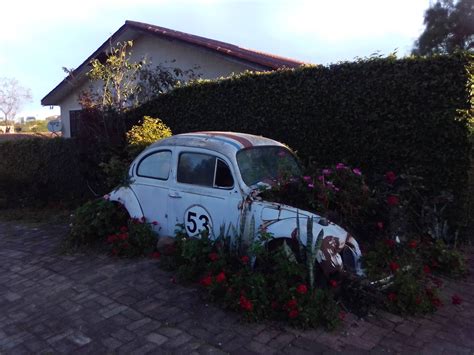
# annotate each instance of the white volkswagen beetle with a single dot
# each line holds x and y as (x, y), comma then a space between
(207, 180)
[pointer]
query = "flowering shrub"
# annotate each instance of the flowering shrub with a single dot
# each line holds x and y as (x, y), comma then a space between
(94, 221)
(338, 192)
(276, 288)
(135, 239)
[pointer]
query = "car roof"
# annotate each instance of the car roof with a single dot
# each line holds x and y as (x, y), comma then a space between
(223, 142)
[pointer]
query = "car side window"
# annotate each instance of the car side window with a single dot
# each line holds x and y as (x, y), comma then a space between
(205, 170)
(155, 165)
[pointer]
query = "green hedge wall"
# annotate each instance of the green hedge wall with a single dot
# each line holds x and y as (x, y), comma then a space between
(38, 171)
(378, 114)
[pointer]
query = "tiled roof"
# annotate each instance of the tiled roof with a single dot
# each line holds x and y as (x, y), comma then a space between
(262, 60)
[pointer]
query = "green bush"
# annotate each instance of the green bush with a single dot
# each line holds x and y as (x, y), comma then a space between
(94, 221)
(408, 116)
(39, 171)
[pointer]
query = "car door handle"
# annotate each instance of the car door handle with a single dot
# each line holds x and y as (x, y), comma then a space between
(174, 195)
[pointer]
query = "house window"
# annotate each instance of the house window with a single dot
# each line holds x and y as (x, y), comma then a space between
(75, 122)
(155, 165)
(205, 170)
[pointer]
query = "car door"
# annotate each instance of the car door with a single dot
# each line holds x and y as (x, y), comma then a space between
(205, 195)
(150, 183)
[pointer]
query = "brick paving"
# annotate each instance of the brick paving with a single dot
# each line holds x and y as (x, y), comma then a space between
(53, 303)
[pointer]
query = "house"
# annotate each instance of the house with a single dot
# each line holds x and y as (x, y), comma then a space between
(213, 58)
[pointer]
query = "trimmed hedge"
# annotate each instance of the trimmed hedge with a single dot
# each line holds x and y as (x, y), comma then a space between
(380, 114)
(39, 171)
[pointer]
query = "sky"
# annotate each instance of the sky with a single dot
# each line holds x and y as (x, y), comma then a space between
(38, 38)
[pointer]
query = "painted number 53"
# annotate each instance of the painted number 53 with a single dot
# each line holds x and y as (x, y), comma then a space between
(196, 220)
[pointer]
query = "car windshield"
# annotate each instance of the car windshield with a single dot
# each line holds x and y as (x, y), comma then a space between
(266, 164)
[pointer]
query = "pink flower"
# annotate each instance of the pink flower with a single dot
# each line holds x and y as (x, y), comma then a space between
(380, 225)
(311, 186)
(155, 223)
(106, 197)
(307, 178)
(357, 171)
(342, 315)
(333, 283)
(321, 178)
(390, 177)
(456, 300)
(327, 171)
(340, 166)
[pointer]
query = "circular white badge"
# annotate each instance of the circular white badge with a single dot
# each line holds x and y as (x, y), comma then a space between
(197, 220)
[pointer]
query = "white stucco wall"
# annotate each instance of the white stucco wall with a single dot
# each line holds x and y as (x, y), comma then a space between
(211, 65)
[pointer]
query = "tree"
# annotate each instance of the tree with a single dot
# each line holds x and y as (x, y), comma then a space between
(12, 97)
(449, 27)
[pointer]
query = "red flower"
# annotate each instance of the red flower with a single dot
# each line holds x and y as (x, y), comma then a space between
(333, 283)
(155, 223)
(123, 236)
(435, 301)
(125, 245)
(291, 304)
(412, 244)
(245, 304)
(220, 277)
(390, 177)
(392, 297)
(380, 225)
(390, 243)
(393, 200)
(123, 229)
(156, 255)
(456, 300)
(302, 289)
(293, 313)
(342, 315)
(111, 238)
(206, 281)
(394, 266)
(244, 259)
(274, 305)
(426, 269)
(213, 256)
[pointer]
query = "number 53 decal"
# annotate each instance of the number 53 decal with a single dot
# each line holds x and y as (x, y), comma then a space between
(196, 220)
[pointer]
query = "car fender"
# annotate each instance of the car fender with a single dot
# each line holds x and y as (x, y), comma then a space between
(128, 199)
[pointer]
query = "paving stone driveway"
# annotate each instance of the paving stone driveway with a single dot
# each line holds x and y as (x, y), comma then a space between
(52, 303)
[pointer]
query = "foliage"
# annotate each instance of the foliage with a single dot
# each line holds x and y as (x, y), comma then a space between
(94, 221)
(12, 97)
(409, 272)
(338, 192)
(135, 239)
(277, 288)
(148, 131)
(449, 27)
(380, 114)
(39, 171)
(118, 77)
